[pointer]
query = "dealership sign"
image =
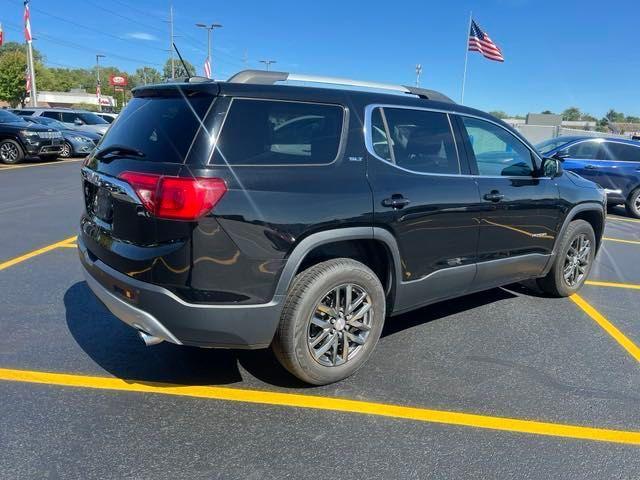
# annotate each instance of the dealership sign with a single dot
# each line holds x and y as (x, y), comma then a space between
(117, 80)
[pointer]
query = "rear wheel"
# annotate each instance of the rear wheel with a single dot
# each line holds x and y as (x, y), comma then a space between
(633, 204)
(10, 152)
(67, 150)
(573, 262)
(331, 321)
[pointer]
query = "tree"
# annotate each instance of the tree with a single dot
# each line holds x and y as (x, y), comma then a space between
(499, 114)
(571, 114)
(180, 71)
(144, 76)
(632, 119)
(13, 65)
(20, 47)
(614, 116)
(547, 112)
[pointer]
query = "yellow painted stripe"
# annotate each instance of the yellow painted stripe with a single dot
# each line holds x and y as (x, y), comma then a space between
(326, 403)
(596, 283)
(42, 164)
(607, 326)
(621, 240)
(35, 253)
(68, 245)
(623, 219)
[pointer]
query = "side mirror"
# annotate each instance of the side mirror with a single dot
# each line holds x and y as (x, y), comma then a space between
(78, 122)
(551, 167)
(561, 155)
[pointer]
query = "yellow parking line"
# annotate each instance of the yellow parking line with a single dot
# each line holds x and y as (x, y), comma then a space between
(35, 253)
(623, 219)
(326, 403)
(620, 240)
(596, 283)
(42, 164)
(607, 326)
(68, 245)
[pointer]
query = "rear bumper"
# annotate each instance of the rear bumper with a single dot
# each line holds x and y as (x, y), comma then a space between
(158, 312)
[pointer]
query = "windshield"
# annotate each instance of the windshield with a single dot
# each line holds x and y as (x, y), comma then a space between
(91, 118)
(8, 117)
(548, 145)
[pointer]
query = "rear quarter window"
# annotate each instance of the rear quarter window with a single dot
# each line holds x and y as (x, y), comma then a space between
(273, 132)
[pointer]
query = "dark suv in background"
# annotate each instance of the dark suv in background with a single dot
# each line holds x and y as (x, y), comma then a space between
(20, 139)
(244, 214)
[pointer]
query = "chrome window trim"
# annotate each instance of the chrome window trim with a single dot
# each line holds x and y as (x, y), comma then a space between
(369, 142)
(341, 145)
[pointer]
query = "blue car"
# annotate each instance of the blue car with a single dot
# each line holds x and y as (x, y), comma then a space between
(76, 143)
(613, 163)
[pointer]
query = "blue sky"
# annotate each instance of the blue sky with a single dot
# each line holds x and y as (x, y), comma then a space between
(557, 53)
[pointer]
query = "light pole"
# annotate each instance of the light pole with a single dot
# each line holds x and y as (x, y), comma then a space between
(267, 63)
(418, 73)
(98, 86)
(209, 28)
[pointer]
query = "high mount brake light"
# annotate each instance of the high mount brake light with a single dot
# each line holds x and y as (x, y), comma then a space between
(176, 198)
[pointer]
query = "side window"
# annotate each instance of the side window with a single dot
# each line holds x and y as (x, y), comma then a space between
(269, 132)
(497, 152)
(379, 138)
(620, 152)
(54, 115)
(585, 150)
(421, 141)
(69, 117)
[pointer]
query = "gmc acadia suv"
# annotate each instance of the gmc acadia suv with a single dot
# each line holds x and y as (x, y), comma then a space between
(244, 214)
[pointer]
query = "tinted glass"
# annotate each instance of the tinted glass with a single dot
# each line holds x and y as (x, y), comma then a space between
(586, 150)
(620, 152)
(497, 152)
(379, 136)
(422, 141)
(55, 115)
(548, 145)
(69, 117)
(259, 132)
(163, 128)
(8, 117)
(91, 118)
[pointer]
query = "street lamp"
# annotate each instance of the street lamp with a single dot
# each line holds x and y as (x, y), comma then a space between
(209, 28)
(267, 63)
(98, 86)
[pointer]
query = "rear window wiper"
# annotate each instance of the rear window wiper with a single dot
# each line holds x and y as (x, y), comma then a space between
(119, 149)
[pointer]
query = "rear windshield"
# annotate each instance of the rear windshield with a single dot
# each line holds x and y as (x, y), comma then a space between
(163, 128)
(273, 132)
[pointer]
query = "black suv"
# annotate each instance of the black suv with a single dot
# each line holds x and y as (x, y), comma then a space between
(20, 139)
(244, 214)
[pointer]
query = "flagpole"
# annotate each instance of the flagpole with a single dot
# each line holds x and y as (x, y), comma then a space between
(466, 57)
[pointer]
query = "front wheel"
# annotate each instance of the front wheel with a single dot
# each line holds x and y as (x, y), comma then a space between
(573, 261)
(67, 150)
(633, 204)
(331, 321)
(10, 152)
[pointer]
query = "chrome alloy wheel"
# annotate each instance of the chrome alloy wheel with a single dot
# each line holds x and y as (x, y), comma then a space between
(340, 324)
(636, 205)
(576, 261)
(66, 150)
(9, 152)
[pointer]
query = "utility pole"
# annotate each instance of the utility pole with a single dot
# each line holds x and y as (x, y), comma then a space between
(268, 63)
(173, 65)
(209, 28)
(98, 85)
(28, 38)
(418, 73)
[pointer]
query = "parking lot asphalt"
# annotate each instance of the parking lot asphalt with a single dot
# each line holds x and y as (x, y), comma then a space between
(501, 384)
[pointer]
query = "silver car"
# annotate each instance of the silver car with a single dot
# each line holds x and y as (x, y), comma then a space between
(78, 119)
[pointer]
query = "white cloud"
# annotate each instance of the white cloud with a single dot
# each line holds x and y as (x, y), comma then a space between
(142, 36)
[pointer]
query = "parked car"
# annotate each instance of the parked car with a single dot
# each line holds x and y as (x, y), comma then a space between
(76, 143)
(20, 139)
(613, 163)
(107, 117)
(244, 214)
(80, 119)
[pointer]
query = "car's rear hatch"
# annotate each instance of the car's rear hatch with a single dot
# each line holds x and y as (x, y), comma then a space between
(160, 134)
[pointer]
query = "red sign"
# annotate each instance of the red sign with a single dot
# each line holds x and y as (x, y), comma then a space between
(118, 80)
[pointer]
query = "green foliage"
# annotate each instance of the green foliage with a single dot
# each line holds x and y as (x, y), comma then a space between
(572, 114)
(499, 114)
(20, 47)
(547, 112)
(87, 106)
(12, 79)
(614, 116)
(180, 71)
(145, 76)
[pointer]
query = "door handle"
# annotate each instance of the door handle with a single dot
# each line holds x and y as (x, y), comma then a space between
(396, 201)
(591, 167)
(494, 196)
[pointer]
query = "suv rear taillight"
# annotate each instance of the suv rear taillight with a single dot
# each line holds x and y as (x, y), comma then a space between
(176, 198)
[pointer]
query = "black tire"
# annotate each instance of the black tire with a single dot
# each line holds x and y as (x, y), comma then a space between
(310, 289)
(633, 204)
(555, 283)
(10, 152)
(67, 150)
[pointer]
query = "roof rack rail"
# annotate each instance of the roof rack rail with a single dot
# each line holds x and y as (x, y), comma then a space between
(262, 77)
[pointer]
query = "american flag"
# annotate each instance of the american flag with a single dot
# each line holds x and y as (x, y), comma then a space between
(479, 41)
(1, 35)
(27, 22)
(207, 68)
